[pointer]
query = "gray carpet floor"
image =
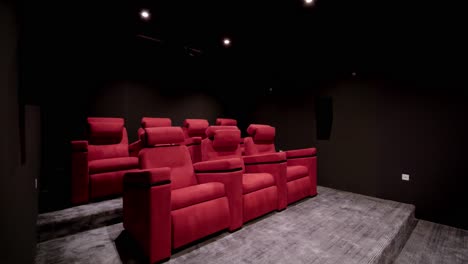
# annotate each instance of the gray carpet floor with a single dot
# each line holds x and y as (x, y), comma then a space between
(78, 218)
(333, 227)
(432, 243)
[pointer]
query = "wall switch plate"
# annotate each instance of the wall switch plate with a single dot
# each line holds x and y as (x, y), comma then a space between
(405, 177)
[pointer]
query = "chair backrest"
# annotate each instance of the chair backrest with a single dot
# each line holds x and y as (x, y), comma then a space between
(195, 128)
(107, 138)
(222, 142)
(147, 122)
(261, 140)
(226, 122)
(163, 147)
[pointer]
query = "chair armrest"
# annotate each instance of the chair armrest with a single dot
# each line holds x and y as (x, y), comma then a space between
(229, 172)
(150, 177)
(277, 157)
(193, 141)
(134, 148)
(301, 153)
(79, 145)
(223, 165)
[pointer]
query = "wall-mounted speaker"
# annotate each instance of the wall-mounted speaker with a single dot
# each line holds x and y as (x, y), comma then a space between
(324, 117)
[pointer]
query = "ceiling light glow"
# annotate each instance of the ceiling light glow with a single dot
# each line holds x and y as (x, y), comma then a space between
(226, 42)
(145, 14)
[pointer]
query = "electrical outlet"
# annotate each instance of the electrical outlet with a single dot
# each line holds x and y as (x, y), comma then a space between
(405, 177)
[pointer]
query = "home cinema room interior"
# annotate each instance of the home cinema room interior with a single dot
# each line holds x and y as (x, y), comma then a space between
(302, 131)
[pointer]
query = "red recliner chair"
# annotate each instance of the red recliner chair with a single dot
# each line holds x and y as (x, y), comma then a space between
(99, 163)
(147, 122)
(263, 179)
(170, 203)
(301, 172)
(194, 132)
(231, 122)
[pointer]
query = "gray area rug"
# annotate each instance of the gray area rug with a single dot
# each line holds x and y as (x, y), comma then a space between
(433, 243)
(333, 227)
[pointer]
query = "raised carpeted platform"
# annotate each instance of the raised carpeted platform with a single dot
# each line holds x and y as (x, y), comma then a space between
(333, 227)
(77, 219)
(432, 243)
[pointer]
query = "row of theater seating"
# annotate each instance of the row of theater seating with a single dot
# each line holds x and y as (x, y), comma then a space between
(182, 184)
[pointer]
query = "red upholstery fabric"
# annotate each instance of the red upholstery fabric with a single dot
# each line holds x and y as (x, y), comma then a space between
(117, 120)
(311, 164)
(266, 202)
(107, 184)
(105, 154)
(175, 157)
(265, 158)
(262, 142)
(105, 133)
(218, 165)
(194, 210)
(163, 135)
(262, 133)
(226, 122)
(197, 221)
(147, 218)
(297, 153)
(255, 205)
(232, 181)
(255, 148)
(296, 172)
(226, 139)
(252, 182)
(298, 189)
(155, 122)
(211, 130)
(115, 164)
(194, 148)
(195, 127)
(97, 152)
(195, 194)
(148, 176)
(278, 170)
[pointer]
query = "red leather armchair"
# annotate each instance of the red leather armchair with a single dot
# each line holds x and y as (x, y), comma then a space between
(99, 163)
(169, 204)
(147, 122)
(263, 179)
(301, 172)
(194, 132)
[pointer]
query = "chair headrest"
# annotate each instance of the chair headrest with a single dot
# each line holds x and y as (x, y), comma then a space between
(105, 133)
(228, 138)
(163, 135)
(119, 120)
(210, 131)
(155, 122)
(226, 122)
(196, 127)
(263, 133)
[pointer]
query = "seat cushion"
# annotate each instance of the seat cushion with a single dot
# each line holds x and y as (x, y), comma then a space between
(114, 164)
(296, 172)
(196, 194)
(252, 182)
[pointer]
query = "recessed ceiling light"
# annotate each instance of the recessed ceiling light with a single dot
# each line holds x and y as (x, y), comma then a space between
(226, 42)
(145, 14)
(309, 2)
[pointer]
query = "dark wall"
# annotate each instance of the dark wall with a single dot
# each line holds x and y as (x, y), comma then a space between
(382, 128)
(18, 198)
